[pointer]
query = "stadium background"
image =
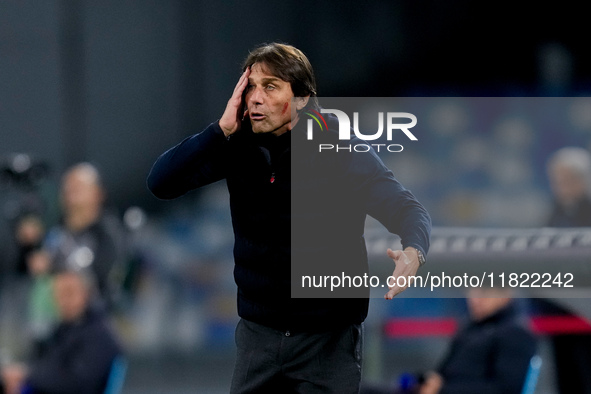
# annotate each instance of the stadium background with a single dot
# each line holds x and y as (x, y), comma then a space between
(116, 83)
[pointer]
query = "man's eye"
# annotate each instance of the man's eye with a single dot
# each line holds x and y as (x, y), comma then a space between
(270, 87)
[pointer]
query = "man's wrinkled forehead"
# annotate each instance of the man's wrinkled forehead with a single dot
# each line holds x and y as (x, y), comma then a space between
(266, 70)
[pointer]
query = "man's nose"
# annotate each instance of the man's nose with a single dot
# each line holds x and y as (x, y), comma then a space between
(256, 96)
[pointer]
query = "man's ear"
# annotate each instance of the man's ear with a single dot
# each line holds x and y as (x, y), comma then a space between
(301, 102)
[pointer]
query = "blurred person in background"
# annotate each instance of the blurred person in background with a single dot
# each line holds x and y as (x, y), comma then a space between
(18, 289)
(491, 354)
(290, 344)
(569, 174)
(42, 311)
(88, 237)
(23, 208)
(79, 355)
(30, 231)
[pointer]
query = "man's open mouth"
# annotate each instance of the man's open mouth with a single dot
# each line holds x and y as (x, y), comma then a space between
(257, 116)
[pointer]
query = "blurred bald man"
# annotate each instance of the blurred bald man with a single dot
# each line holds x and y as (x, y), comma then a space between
(88, 238)
(569, 173)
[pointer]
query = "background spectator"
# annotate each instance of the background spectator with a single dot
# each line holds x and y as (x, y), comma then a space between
(569, 174)
(88, 238)
(79, 355)
(491, 354)
(42, 313)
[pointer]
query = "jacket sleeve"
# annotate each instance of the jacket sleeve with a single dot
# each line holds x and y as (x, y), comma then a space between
(388, 201)
(197, 161)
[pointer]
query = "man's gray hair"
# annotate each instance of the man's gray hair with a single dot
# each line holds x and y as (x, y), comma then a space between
(575, 159)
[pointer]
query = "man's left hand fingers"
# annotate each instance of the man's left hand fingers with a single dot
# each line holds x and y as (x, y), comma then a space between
(394, 254)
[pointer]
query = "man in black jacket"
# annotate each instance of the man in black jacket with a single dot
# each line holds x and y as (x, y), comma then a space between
(291, 208)
(569, 173)
(491, 354)
(78, 356)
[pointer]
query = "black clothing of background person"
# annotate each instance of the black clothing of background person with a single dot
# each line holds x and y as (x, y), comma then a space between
(577, 216)
(489, 356)
(99, 248)
(572, 352)
(77, 358)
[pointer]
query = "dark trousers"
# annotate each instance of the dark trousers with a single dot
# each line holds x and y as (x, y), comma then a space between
(273, 361)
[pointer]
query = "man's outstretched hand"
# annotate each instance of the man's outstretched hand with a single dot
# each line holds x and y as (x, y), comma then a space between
(231, 120)
(407, 264)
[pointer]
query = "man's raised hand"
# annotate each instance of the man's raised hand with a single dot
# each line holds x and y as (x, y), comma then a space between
(231, 120)
(407, 264)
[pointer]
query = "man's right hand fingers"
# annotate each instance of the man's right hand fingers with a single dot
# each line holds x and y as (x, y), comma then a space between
(242, 82)
(230, 121)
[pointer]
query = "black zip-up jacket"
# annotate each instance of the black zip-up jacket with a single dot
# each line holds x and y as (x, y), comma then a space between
(489, 356)
(295, 211)
(77, 359)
